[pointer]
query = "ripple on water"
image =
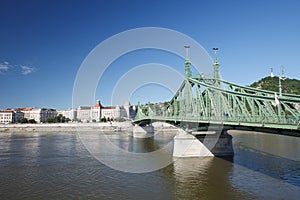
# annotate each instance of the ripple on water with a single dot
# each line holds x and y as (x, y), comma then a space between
(57, 166)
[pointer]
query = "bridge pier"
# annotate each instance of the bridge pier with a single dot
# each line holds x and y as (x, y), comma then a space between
(219, 145)
(202, 144)
(187, 145)
(143, 131)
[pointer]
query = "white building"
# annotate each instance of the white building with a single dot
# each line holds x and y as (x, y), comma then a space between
(10, 116)
(6, 116)
(69, 113)
(84, 113)
(96, 112)
(39, 114)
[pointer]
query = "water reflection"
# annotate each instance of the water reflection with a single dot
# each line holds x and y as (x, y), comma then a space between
(20, 152)
(58, 166)
(200, 178)
(114, 152)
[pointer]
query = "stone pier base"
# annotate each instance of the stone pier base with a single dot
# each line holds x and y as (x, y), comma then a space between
(143, 131)
(219, 144)
(187, 145)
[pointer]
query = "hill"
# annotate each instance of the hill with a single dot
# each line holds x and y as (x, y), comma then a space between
(291, 86)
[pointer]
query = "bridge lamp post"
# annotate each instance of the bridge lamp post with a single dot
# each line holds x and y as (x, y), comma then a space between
(280, 77)
(217, 95)
(187, 62)
(216, 66)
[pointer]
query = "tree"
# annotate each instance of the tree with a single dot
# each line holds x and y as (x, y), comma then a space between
(50, 120)
(103, 119)
(31, 121)
(291, 86)
(60, 118)
(23, 121)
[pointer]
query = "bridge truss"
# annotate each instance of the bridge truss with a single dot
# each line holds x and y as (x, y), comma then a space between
(206, 101)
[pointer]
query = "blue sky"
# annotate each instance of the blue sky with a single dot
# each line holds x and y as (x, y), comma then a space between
(43, 43)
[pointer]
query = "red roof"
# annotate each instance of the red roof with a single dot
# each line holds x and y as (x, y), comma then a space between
(24, 109)
(7, 111)
(98, 105)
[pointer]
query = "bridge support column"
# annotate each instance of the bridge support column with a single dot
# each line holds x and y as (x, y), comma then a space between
(203, 144)
(186, 145)
(143, 131)
(220, 145)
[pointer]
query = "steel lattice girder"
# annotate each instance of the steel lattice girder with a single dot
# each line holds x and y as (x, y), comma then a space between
(201, 100)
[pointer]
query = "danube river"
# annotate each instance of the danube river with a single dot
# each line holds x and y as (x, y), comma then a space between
(58, 166)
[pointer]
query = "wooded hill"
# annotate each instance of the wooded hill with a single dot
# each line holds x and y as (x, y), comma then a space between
(291, 86)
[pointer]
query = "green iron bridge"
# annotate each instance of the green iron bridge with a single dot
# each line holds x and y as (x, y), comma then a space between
(202, 102)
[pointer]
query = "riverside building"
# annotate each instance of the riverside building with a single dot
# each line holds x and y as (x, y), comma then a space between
(10, 116)
(6, 116)
(98, 111)
(38, 114)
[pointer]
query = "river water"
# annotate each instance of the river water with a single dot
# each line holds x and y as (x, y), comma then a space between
(59, 166)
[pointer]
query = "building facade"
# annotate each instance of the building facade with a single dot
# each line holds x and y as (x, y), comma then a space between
(18, 115)
(96, 112)
(6, 116)
(82, 113)
(38, 114)
(10, 116)
(69, 113)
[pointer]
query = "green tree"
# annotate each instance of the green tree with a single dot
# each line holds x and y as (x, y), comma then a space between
(60, 118)
(31, 121)
(23, 121)
(103, 119)
(291, 86)
(50, 120)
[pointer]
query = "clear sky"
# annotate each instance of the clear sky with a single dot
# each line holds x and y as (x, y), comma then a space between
(43, 43)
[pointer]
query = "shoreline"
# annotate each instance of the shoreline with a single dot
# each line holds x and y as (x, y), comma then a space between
(114, 127)
(64, 127)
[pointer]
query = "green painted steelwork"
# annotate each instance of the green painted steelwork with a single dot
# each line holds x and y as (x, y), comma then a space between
(204, 101)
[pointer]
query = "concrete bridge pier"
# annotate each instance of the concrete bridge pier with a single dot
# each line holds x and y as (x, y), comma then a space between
(202, 144)
(219, 144)
(143, 131)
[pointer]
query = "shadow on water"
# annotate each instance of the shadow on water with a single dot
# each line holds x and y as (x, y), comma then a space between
(203, 178)
(280, 168)
(264, 153)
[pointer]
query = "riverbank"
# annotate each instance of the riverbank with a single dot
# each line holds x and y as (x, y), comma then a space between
(66, 127)
(73, 127)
